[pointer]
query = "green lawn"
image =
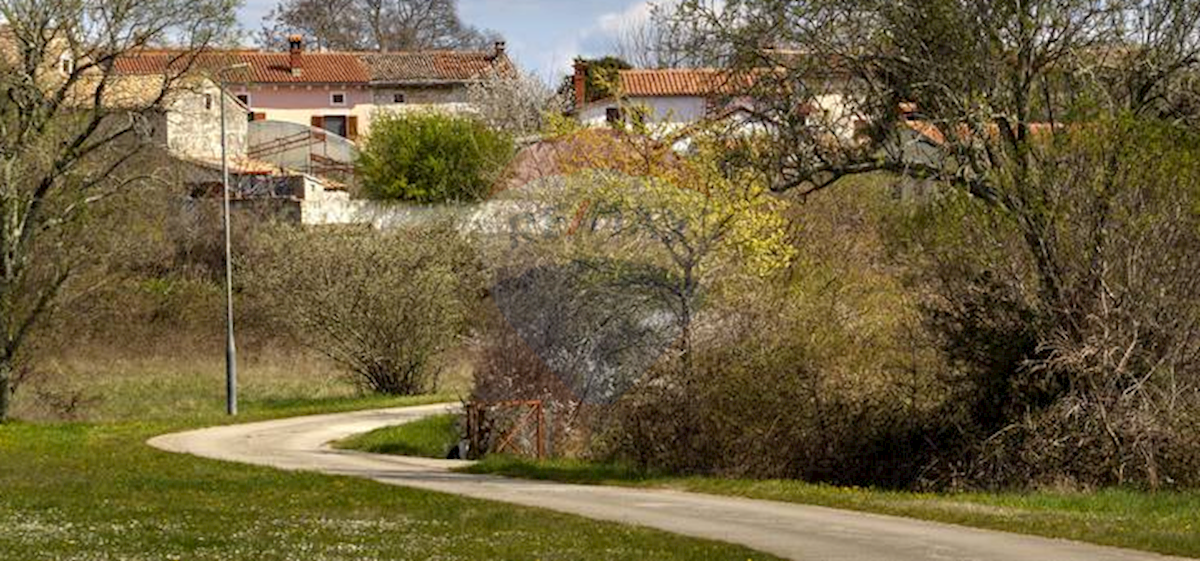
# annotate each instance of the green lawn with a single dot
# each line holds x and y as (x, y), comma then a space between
(94, 491)
(1165, 522)
(431, 437)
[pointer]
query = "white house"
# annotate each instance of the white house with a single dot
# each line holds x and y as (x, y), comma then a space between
(673, 98)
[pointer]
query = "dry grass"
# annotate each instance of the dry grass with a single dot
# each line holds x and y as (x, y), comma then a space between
(117, 386)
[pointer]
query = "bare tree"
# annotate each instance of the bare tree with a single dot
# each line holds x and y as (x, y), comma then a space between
(382, 304)
(978, 77)
(518, 105)
(663, 40)
(329, 24)
(68, 127)
(1014, 105)
(376, 25)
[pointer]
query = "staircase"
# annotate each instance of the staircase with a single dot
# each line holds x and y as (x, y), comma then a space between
(308, 151)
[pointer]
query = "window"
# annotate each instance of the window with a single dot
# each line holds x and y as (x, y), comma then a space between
(244, 98)
(66, 64)
(612, 115)
(335, 124)
(337, 98)
(207, 102)
(398, 98)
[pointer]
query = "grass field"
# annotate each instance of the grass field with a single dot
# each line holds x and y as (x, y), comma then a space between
(1165, 522)
(430, 437)
(93, 490)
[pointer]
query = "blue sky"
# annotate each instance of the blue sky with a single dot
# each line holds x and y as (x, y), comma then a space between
(543, 35)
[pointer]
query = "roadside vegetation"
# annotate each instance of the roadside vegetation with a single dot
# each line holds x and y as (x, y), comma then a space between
(968, 293)
(1163, 522)
(431, 437)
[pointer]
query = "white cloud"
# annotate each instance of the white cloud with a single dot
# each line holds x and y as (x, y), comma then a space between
(635, 15)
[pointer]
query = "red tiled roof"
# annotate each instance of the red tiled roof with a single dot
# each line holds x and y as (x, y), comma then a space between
(935, 134)
(317, 67)
(270, 68)
(327, 67)
(435, 66)
(680, 82)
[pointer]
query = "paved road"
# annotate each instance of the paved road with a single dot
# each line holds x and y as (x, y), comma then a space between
(788, 530)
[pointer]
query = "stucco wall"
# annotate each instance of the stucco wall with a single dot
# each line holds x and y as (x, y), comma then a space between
(662, 110)
(194, 125)
(299, 104)
(384, 95)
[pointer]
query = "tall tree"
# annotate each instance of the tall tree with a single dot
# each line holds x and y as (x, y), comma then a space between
(962, 91)
(1038, 112)
(69, 127)
(662, 40)
(374, 25)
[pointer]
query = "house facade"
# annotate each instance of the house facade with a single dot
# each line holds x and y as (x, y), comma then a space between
(338, 92)
(675, 98)
(669, 98)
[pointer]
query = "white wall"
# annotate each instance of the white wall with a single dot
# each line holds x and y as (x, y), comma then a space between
(662, 110)
(194, 124)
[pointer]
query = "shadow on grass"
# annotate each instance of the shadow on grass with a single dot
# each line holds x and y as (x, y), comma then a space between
(565, 470)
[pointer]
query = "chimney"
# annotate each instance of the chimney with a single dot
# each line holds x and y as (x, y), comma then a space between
(295, 52)
(499, 49)
(580, 83)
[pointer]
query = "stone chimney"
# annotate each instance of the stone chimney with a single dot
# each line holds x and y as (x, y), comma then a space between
(580, 83)
(497, 52)
(296, 54)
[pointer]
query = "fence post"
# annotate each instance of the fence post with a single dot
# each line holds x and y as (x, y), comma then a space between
(541, 423)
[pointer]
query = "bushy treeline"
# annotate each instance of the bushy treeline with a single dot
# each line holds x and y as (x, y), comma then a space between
(919, 336)
(386, 307)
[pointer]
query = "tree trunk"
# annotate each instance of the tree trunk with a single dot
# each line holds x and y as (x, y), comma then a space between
(5, 387)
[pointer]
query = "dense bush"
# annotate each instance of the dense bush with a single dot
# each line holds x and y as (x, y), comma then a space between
(385, 305)
(1071, 313)
(821, 372)
(431, 158)
(923, 337)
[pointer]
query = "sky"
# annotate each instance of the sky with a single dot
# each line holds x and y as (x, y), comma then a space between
(543, 36)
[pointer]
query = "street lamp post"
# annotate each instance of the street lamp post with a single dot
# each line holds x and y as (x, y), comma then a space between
(231, 406)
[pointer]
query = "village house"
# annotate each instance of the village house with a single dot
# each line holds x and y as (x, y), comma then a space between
(670, 99)
(339, 92)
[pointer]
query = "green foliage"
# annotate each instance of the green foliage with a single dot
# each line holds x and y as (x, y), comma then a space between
(429, 437)
(431, 157)
(603, 76)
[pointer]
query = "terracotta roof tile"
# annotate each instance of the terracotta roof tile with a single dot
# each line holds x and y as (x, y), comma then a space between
(268, 68)
(435, 66)
(328, 67)
(681, 82)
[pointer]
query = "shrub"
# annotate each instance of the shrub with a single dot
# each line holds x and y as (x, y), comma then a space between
(821, 372)
(384, 305)
(1071, 312)
(431, 158)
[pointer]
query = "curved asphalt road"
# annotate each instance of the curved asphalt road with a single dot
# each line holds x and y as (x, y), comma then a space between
(789, 530)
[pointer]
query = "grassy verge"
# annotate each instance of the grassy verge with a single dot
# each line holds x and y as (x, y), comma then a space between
(1164, 522)
(431, 437)
(94, 490)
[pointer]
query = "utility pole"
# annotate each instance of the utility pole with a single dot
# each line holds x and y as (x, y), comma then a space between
(231, 405)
